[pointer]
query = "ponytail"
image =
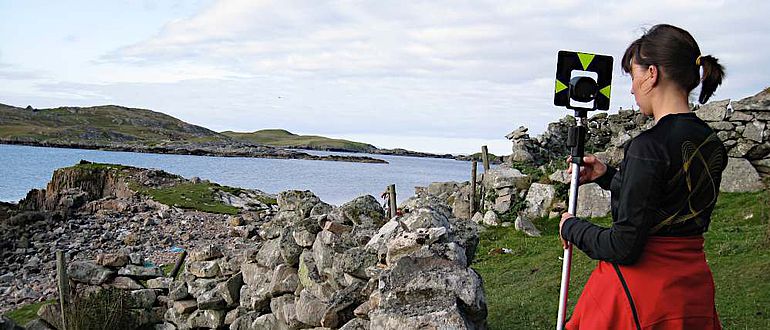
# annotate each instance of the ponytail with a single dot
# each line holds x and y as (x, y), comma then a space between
(713, 73)
(675, 51)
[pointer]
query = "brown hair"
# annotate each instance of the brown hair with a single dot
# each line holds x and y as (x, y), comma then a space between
(675, 51)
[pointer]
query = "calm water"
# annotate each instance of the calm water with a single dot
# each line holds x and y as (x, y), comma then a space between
(23, 168)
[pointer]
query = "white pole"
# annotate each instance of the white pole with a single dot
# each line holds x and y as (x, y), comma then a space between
(567, 259)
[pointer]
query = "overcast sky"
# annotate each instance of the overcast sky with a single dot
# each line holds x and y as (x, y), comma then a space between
(436, 76)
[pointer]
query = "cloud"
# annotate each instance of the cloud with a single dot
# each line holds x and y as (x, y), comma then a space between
(503, 42)
(8, 72)
(450, 69)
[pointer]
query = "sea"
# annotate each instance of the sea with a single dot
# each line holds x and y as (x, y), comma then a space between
(23, 168)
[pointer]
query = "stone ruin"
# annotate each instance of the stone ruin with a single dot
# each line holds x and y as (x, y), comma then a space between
(312, 265)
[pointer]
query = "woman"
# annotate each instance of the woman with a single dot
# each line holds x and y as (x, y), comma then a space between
(652, 272)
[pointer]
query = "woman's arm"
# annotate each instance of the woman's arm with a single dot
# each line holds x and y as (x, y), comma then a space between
(624, 241)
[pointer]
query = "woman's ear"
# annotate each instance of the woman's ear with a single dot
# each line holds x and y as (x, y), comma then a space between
(652, 70)
(651, 74)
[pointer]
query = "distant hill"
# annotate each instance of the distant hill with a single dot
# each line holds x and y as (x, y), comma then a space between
(285, 139)
(115, 127)
(108, 124)
(112, 127)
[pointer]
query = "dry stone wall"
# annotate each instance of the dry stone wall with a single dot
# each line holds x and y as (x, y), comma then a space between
(742, 125)
(347, 267)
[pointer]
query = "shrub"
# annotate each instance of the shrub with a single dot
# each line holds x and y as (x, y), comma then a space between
(102, 309)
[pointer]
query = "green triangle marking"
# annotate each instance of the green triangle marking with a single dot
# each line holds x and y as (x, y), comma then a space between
(560, 86)
(605, 91)
(585, 59)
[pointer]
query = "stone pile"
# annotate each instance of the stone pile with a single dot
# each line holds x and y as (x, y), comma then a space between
(510, 198)
(506, 193)
(606, 132)
(347, 267)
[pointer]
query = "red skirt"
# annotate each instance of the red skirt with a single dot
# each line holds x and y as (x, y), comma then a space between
(670, 287)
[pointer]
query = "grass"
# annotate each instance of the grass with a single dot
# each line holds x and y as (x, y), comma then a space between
(27, 313)
(522, 288)
(195, 196)
(100, 166)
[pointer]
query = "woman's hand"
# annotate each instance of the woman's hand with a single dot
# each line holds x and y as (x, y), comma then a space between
(564, 217)
(591, 169)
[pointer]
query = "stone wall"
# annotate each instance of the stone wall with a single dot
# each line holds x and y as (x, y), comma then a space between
(338, 268)
(742, 126)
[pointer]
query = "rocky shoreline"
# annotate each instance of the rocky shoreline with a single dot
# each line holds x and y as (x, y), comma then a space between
(287, 261)
(201, 149)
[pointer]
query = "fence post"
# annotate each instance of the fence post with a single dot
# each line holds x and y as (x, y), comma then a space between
(392, 208)
(474, 164)
(485, 158)
(63, 286)
(178, 265)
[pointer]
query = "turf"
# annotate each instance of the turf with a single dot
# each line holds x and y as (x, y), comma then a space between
(195, 196)
(522, 287)
(27, 312)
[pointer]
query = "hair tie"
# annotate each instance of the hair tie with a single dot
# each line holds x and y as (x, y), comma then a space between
(697, 60)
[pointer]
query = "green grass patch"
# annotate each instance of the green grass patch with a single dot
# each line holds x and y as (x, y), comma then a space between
(195, 196)
(232, 190)
(268, 200)
(99, 166)
(167, 269)
(27, 313)
(522, 288)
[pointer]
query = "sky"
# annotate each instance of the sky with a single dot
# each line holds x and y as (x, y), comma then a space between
(434, 76)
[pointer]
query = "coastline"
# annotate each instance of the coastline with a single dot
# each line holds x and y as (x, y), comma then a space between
(399, 153)
(220, 150)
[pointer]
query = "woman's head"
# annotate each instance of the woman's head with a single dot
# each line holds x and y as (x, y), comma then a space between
(669, 56)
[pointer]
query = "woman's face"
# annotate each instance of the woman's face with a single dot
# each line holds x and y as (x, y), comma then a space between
(642, 82)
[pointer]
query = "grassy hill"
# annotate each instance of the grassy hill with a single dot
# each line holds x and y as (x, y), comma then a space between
(523, 287)
(286, 139)
(98, 125)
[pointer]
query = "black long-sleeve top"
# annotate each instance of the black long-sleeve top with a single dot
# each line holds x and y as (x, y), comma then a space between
(667, 185)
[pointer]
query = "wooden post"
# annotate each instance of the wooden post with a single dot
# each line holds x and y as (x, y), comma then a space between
(63, 283)
(178, 265)
(392, 201)
(485, 158)
(474, 164)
